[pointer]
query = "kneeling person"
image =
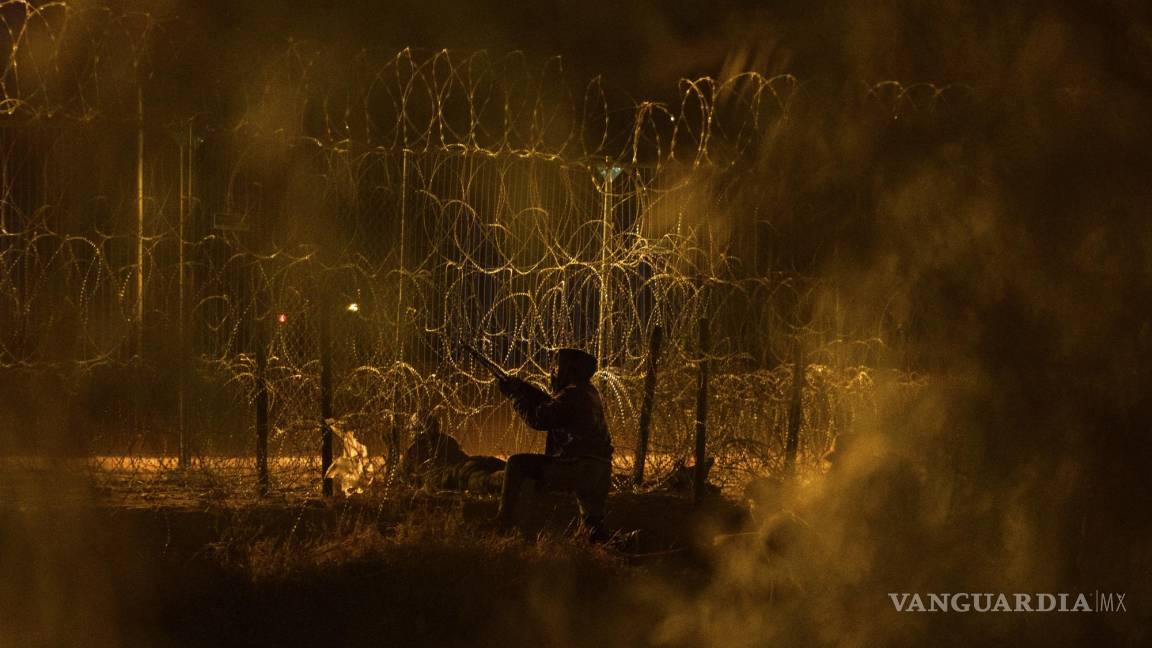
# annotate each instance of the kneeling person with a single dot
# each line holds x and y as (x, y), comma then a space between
(435, 461)
(578, 451)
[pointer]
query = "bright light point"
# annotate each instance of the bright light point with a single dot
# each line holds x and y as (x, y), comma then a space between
(609, 173)
(282, 317)
(353, 307)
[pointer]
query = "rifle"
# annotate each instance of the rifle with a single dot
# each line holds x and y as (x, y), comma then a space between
(550, 442)
(493, 368)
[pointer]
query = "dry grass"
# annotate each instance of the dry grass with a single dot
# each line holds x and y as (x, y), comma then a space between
(283, 555)
(434, 575)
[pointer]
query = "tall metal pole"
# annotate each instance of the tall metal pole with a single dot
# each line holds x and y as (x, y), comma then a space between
(399, 341)
(604, 339)
(138, 343)
(140, 222)
(182, 343)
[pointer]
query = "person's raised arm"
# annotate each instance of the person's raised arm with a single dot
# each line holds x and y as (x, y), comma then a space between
(535, 406)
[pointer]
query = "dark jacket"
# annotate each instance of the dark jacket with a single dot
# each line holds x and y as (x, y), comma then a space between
(435, 460)
(573, 418)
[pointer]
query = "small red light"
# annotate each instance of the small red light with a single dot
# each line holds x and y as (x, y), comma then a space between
(282, 317)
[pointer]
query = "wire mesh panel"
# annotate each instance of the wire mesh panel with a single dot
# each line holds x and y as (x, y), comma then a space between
(179, 281)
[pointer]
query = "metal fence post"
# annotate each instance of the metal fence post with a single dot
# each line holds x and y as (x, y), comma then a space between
(262, 337)
(325, 305)
(646, 408)
(699, 474)
(186, 350)
(795, 408)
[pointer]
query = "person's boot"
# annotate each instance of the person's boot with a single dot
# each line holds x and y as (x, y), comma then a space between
(594, 530)
(503, 521)
(509, 495)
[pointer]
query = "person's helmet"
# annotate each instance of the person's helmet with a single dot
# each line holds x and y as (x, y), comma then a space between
(579, 365)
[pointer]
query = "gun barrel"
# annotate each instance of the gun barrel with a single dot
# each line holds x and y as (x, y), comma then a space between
(488, 364)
